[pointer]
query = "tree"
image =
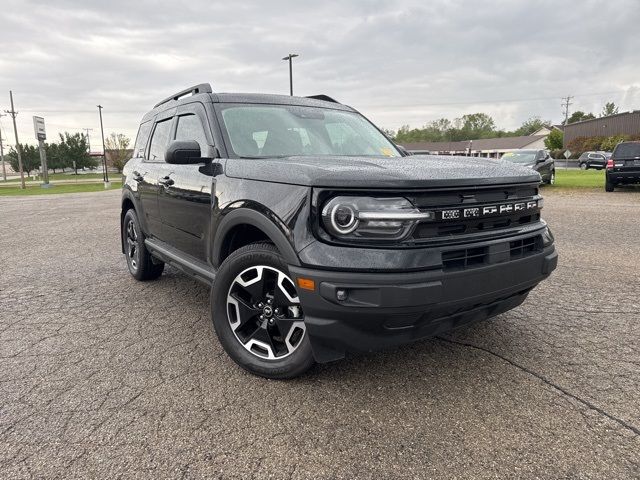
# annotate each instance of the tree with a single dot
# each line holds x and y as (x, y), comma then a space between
(531, 125)
(74, 148)
(609, 108)
(117, 146)
(54, 158)
(554, 140)
(30, 158)
(579, 116)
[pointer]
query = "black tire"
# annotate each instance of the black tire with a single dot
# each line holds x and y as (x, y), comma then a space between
(141, 266)
(608, 185)
(583, 166)
(552, 178)
(260, 260)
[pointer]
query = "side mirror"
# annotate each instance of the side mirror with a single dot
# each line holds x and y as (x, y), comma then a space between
(183, 152)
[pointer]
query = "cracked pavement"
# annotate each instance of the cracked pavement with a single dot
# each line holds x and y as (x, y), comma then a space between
(105, 377)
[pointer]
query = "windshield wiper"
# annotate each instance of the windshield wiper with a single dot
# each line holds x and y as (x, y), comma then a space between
(262, 157)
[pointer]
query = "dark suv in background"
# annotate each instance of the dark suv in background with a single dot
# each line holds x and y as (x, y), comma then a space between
(316, 234)
(623, 168)
(597, 160)
(538, 160)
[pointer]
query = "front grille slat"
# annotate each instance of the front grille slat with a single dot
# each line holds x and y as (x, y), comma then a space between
(466, 258)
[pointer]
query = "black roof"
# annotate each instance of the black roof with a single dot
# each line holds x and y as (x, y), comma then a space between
(202, 93)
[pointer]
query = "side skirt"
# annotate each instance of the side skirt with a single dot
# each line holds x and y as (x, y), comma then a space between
(186, 263)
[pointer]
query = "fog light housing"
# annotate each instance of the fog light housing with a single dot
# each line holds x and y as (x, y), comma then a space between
(342, 294)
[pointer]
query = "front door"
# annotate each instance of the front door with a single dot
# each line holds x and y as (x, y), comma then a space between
(185, 197)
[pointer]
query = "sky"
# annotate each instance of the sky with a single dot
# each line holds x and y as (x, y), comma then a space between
(400, 62)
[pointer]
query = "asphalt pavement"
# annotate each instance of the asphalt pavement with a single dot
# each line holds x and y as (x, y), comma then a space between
(105, 377)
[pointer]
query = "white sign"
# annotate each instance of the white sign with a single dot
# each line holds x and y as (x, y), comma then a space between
(38, 127)
(567, 154)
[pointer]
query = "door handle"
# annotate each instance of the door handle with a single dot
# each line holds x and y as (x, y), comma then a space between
(137, 176)
(166, 181)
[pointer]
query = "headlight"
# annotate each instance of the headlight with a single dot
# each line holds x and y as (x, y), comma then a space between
(368, 218)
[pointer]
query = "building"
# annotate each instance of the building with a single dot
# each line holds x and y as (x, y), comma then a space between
(627, 123)
(484, 147)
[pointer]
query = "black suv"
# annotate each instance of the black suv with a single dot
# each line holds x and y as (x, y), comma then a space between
(624, 165)
(317, 235)
(538, 160)
(597, 160)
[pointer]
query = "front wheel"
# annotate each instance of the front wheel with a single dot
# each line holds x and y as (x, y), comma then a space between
(257, 314)
(552, 178)
(583, 166)
(141, 265)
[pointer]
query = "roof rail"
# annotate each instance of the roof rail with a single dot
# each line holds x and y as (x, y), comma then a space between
(323, 97)
(202, 88)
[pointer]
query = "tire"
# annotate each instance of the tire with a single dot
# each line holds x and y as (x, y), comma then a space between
(608, 185)
(552, 178)
(583, 166)
(141, 266)
(249, 290)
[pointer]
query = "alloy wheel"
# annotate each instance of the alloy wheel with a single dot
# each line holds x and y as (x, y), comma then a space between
(264, 312)
(133, 250)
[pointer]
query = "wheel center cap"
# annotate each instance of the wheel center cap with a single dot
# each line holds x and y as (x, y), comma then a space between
(267, 311)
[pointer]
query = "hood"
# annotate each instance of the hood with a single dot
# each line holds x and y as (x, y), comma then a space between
(416, 171)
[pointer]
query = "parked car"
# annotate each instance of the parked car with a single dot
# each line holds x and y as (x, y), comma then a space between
(623, 168)
(539, 160)
(597, 160)
(316, 234)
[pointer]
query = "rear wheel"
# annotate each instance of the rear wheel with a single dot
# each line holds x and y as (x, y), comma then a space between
(257, 314)
(609, 185)
(552, 178)
(141, 265)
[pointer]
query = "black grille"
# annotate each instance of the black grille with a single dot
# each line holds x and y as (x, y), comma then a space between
(465, 258)
(461, 227)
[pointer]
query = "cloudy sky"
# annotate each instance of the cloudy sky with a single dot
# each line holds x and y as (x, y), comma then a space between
(399, 62)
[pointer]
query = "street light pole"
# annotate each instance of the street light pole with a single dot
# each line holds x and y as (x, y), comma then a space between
(105, 175)
(289, 58)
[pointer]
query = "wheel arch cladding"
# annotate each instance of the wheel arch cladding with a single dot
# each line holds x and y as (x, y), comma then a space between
(254, 227)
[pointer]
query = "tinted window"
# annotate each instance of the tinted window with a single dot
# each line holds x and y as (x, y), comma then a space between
(627, 150)
(141, 139)
(159, 141)
(190, 128)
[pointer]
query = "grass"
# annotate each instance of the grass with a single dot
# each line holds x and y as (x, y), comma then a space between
(57, 189)
(576, 178)
(66, 176)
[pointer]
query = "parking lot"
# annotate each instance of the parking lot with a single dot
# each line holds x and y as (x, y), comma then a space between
(103, 376)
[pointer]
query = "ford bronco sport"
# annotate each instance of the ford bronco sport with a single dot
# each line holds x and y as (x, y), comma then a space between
(317, 235)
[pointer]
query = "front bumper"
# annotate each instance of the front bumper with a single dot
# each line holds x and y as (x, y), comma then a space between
(388, 309)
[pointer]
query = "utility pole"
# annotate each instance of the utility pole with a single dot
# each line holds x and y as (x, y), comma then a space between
(567, 101)
(105, 175)
(289, 58)
(88, 140)
(13, 114)
(4, 170)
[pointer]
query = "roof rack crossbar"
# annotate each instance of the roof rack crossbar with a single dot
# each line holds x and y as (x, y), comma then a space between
(323, 97)
(201, 88)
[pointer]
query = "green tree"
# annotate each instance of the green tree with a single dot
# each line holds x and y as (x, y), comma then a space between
(54, 160)
(117, 146)
(74, 147)
(30, 158)
(579, 116)
(609, 108)
(531, 125)
(475, 125)
(554, 140)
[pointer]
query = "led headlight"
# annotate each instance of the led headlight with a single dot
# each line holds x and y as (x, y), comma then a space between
(368, 218)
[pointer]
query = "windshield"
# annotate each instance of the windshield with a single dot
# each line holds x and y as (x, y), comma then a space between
(258, 131)
(519, 157)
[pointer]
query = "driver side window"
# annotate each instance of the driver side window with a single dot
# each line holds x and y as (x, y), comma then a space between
(190, 128)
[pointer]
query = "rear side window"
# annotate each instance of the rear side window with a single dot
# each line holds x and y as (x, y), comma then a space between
(159, 141)
(627, 150)
(142, 139)
(190, 128)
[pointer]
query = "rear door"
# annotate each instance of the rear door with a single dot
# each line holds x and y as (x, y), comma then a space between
(185, 199)
(150, 170)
